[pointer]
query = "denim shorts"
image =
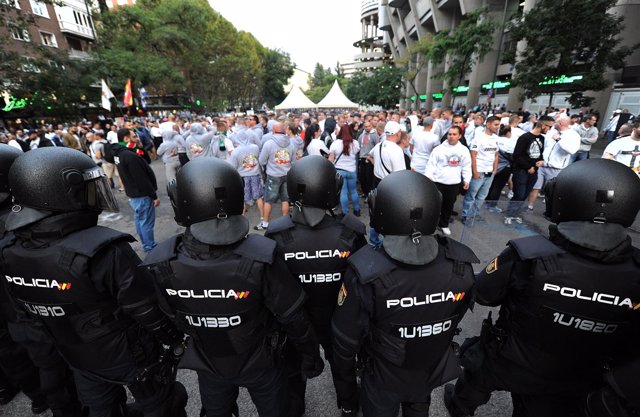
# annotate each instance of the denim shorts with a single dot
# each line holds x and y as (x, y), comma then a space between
(276, 189)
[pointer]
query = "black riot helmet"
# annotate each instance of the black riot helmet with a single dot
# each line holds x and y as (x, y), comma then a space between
(404, 204)
(8, 154)
(314, 187)
(60, 180)
(208, 197)
(596, 191)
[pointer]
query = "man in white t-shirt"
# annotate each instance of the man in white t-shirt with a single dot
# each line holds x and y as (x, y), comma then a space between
(559, 146)
(484, 165)
(387, 156)
(422, 143)
(626, 150)
(167, 126)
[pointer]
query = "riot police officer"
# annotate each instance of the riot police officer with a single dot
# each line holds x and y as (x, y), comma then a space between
(81, 282)
(315, 246)
(228, 291)
(568, 303)
(402, 303)
(17, 371)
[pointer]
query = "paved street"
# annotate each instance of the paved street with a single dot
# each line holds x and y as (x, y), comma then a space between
(486, 237)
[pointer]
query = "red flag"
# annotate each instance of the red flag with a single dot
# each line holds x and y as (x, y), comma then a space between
(128, 95)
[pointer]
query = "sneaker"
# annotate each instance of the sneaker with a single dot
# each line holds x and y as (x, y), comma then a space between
(508, 220)
(517, 220)
(494, 210)
(540, 195)
(510, 195)
(463, 219)
(348, 413)
(259, 227)
(446, 231)
(356, 213)
(530, 207)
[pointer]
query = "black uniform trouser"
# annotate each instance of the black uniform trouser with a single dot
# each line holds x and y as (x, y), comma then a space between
(16, 365)
(532, 395)
(296, 385)
(56, 378)
(103, 392)
(266, 388)
(378, 401)
(365, 175)
(499, 180)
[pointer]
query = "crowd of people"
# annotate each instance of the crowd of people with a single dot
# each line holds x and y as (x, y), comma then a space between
(255, 309)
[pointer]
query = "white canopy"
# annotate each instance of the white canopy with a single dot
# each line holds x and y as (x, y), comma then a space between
(335, 99)
(296, 100)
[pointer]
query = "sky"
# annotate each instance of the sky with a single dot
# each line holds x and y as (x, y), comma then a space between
(311, 31)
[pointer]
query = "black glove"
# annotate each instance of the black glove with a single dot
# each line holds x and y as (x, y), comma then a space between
(311, 366)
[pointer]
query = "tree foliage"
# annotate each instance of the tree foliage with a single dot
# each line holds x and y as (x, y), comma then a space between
(380, 86)
(568, 38)
(185, 47)
(462, 47)
(36, 81)
(322, 80)
(467, 44)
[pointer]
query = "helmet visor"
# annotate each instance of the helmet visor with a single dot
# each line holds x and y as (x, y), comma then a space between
(99, 193)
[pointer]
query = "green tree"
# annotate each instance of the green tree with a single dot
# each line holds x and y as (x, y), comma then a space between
(462, 47)
(36, 81)
(380, 86)
(557, 46)
(278, 68)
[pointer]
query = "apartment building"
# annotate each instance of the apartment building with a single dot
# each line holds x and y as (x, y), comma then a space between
(404, 22)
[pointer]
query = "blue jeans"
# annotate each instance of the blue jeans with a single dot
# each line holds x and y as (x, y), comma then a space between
(375, 239)
(610, 135)
(144, 217)
(348, 190)
(580, 156)
(478, 190)
(523, 183)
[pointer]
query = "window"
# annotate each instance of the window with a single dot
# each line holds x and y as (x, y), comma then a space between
(49, 39)
(29, 64)
(39, 8)
(18, 33)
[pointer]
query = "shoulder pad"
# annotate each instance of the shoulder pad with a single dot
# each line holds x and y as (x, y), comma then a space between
(257, 248)
(536, 246)
(370, 264)
(352, 222)
(457, 251)
(165, 251)
(280, 224)
(89, 241)
(7, 239)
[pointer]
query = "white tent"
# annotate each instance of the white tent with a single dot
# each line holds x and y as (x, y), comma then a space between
(296, 100)
(335, 99)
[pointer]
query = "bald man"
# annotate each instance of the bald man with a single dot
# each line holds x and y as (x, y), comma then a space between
(276, 156)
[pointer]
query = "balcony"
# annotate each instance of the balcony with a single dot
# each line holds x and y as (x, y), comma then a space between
(368, 56)
(75, 29)
(81, 55)
(368, 7)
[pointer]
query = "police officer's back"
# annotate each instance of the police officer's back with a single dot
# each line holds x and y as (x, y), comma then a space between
(402, 303)
(227, 291)
(315, 246)
(568, 303)
(81, 282)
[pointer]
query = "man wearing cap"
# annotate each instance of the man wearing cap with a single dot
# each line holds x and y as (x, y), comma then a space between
(387, 157)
